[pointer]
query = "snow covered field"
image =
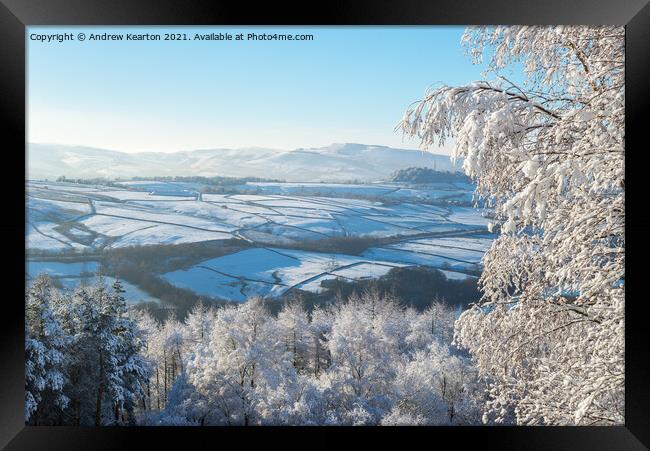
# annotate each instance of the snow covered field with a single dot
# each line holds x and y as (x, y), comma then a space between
(70, 275)
(138, 216)
(66, 218)
(272, 272)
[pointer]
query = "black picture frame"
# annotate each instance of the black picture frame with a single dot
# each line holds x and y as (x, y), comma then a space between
(15, 15)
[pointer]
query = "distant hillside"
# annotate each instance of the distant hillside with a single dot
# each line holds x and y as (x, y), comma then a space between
(427, 175)
(334, 163)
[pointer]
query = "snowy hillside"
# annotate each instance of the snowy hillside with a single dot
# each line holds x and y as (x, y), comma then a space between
(337, 162)
(273, 238)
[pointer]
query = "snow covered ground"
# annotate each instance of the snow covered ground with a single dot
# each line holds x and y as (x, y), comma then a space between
(271, 272)
(137, 216)
(70, 275)
(405, 256)
(61, 269)
(66, 219)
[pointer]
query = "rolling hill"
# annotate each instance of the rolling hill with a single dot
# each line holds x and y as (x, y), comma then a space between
(333, 163)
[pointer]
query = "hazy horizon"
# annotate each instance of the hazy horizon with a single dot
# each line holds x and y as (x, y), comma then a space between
(336, 162)
(196, 149)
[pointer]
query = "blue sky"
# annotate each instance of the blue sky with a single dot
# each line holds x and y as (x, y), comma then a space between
(350, 84)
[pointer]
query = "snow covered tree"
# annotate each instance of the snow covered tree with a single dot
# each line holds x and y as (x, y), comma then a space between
(293, 324)
(198, 324)
(365, 360)
(151, 332)
(128, 383)
(45, 344)
(367, 335)
(436, 387)
(237, 370)
(168, 345)
(332, 263)
(548, 155)
(106, 372)
(74, 311)
(434, 324)
(147, 330)
(172, 360)
(320, 325)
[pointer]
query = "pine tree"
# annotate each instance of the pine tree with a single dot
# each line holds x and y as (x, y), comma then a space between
(131, 371)
(45, 344)
(106, 371)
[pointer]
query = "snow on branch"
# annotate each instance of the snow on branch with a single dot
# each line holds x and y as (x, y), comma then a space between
(549, 156)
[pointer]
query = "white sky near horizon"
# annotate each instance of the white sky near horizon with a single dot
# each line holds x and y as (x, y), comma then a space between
(350, 84)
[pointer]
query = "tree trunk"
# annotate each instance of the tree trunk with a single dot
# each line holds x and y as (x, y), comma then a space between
(157, 388)
(148, 393)
(165, 378)
(35, 415)
(295, 360)
(100, 392)
(77, 412)
(317, 368)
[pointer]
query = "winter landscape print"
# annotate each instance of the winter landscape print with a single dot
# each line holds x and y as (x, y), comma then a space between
(325, 226)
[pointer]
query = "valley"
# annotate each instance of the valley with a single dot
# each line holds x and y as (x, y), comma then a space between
(268, 239)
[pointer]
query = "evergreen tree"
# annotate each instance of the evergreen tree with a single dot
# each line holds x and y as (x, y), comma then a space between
(45, 343)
